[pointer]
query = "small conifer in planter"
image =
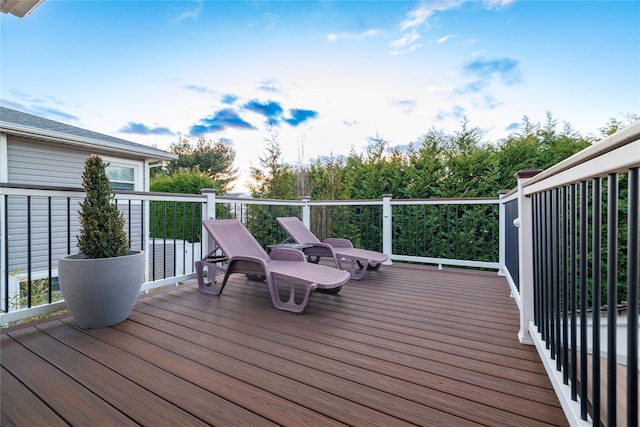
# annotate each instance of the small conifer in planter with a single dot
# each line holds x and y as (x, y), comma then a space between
(100, 285)
(102, 234)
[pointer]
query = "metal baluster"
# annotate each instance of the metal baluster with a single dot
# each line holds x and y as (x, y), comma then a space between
(596, 298)
(612, 296)
(574, 292)
(633, 282)
(584, 400)
(556, 278)
(565, 288)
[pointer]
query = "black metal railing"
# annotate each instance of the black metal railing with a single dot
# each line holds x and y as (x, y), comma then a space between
(360, 223)
(40, 226)
(586, 272)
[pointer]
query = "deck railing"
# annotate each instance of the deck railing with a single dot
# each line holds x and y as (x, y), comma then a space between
(455, 232)
(555, 237)
(577, 276)
(40, 226)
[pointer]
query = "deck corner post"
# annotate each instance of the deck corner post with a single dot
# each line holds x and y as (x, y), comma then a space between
(502, 234)
(306, 211)
(208, 212)
(525, 248)
(387, 220)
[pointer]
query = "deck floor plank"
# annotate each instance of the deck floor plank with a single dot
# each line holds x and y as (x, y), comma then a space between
(407, 345)
(20, 408)
(65, 396)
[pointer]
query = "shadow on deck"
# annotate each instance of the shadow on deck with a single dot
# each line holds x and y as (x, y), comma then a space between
(406, 345)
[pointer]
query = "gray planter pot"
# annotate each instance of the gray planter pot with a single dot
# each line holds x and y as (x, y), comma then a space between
(101, 292)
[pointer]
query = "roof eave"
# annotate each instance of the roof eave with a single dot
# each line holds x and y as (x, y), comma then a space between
(149, 153)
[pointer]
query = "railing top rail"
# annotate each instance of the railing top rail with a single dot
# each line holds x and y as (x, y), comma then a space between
(445, 201)
(252, 201)
(344, 202)
(47, 190)
(6, 185)
(433, 201)
(76, 192)
(171, 197)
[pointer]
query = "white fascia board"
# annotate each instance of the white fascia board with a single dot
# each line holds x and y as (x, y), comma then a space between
(64, 138)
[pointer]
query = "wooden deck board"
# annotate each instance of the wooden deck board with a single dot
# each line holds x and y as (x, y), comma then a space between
(407, 345)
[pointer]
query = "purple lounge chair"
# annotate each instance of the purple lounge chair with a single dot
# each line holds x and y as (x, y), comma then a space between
(337, 249)
(245, 255)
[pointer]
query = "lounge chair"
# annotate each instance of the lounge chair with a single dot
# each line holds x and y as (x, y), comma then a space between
(361, 260)
(244, 255)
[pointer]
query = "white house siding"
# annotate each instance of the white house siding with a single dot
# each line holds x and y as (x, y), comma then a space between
(44, 164)
(18, 225)
(38, 163)
(133, 216)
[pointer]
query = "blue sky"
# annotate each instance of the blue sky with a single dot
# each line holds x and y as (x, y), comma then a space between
(327, 75)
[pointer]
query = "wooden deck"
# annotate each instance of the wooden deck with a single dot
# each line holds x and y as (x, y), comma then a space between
(408, 345)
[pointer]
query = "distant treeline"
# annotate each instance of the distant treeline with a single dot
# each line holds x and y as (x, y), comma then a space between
(461, 164)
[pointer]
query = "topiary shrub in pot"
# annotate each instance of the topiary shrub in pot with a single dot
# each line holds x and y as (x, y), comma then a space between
(100, 284)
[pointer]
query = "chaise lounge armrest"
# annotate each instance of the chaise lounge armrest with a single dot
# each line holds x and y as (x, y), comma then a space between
(287, 254)
(337, 242)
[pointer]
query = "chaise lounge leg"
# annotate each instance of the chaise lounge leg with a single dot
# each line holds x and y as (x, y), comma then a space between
(208, 287)
(290, 304)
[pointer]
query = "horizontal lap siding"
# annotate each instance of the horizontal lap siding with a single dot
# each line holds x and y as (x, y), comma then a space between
(18, 223)
(37, 163)
(55, 165)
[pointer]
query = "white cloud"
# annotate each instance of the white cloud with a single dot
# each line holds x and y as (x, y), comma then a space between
(406, 40)
(419, 16)
(409, 49)
(497, 4)
(416, 19)
(440, 89)
(270, 85)
(333, 37)
(192, 14)
(445, 38)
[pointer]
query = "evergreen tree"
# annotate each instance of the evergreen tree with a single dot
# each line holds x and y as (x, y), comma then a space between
(274, 179)
(102, 234)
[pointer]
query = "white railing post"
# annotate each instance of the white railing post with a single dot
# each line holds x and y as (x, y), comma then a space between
(524, 222)
(209, 212)
(4, 177)
(387, 221)
(306, 211)
(502, 232)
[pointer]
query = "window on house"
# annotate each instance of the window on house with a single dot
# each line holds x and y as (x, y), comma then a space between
(121, 177)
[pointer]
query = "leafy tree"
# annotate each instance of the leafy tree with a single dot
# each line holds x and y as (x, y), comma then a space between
(614, 125)
(536, 146)
(183, 182)
(470, 168)
(274, 179)
(379, 171)
(327, 176)
(178, 220)
(212, 158)
(559, 146)
(425, 166)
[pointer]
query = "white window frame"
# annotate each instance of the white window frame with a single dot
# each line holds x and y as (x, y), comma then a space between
(137, 166)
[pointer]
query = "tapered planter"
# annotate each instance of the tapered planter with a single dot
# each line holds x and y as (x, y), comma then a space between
(102, 291)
